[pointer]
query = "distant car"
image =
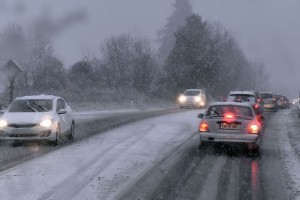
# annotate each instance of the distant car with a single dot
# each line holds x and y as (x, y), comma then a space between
(231, 122)
(270, 102)
(193, 98)
(282, 101)
(251, 97)
(41, 117)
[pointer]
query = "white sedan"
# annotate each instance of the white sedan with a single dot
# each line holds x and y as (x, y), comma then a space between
(231, 122)
(41, 117)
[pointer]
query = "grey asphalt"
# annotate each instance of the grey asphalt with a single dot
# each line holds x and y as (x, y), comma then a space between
(217, 172)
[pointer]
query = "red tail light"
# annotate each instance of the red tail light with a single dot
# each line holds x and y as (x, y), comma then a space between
(229, 115)
(203, 126)
(256, 106)
(253, 128)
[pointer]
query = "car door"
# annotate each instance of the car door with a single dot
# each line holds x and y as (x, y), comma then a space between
(69, 114)
(62, 117)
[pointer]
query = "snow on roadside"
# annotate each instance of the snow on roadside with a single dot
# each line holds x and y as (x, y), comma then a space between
(86, 115)
(290, 160)
(99, 167)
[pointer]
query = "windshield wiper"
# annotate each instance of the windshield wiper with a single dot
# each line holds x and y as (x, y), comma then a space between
(42, 107)
(30, 107)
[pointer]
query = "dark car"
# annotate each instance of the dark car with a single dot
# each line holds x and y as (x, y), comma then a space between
(283, 101)
(270, 102)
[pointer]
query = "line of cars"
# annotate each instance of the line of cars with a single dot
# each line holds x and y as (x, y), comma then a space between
(236, 119)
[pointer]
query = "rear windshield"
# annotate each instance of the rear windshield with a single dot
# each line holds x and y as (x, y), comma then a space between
(191, 93)
(241, 98)
(221, 110)
(30, 105)
(266, 95)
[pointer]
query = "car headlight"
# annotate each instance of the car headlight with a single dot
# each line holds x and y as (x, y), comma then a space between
(197, 99)
(46, 123)
(182, 99)
(3, 123)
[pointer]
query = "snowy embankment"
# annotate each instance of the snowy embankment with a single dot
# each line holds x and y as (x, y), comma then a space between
(288, 154)
(87, 115)
(102, 165)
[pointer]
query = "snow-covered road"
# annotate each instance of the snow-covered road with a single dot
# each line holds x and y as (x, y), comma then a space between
(158, 158)
(101, 166)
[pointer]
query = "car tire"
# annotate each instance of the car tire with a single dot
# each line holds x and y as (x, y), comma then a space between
(57, 137)
(254, 149)
(72, 132)
(202, 145)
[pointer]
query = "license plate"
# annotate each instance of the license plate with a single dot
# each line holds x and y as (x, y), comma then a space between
(228, 126)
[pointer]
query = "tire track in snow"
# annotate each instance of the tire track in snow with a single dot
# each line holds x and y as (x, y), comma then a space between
(76, 182)
(142, 186)
(291, 163)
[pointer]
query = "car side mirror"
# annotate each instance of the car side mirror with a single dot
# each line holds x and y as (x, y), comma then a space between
(62, 111)
(201, 115)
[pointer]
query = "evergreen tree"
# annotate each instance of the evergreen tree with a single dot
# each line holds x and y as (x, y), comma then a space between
(194, 61)
(166, 37)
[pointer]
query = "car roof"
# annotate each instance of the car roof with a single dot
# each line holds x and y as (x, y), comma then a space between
(242, 92)
(42, 96)
(230, 104)
(266, 92)
(194, 90)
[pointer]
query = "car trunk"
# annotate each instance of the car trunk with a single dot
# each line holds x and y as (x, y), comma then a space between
(221, 125)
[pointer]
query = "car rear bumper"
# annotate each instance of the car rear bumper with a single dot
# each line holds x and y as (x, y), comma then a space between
(270, 106)
(230, 138)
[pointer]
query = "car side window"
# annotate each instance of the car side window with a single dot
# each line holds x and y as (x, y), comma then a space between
(63, 104)
(60, 105)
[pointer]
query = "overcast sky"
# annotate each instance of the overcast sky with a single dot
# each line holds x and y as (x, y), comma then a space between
(267, 30)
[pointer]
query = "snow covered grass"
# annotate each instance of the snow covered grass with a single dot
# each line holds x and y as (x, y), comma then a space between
(121, 105)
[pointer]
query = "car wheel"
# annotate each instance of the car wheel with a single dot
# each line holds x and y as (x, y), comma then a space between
(57, 138)
(181, 107)
(202, 145)
(72, 132)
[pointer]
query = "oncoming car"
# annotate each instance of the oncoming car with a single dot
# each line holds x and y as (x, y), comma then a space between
(230, 122)
(41, 117)
(193, 98)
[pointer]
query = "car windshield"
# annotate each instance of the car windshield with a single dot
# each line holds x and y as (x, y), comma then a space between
(30, 105)
(266, 95)
(191, 93)
(221, 110)
(241, 98)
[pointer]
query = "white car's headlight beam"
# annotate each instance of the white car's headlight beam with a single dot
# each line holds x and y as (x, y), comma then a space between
(46, 123)
(197, 99)
(182, 99)
(3, 123)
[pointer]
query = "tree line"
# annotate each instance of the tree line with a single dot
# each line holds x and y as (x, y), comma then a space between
(192, 53)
